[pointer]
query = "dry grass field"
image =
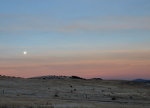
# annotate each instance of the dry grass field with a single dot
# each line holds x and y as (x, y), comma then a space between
(72, 93)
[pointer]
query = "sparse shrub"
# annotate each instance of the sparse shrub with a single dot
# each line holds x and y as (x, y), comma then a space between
(75, 77)
(113, 98)
(18, 95)
(96, 79)
(131, 97)
(71, 86)
(56, 94)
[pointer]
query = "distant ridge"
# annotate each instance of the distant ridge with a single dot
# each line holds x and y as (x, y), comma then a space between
(4, 76)
(56, 77)
(50, 77)
(63, 77)
(141, 80)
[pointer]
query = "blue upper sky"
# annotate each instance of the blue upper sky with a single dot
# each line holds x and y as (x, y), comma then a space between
(76, 8)
(69, 24)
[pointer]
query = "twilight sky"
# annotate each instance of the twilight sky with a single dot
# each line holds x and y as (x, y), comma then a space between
(88, 38)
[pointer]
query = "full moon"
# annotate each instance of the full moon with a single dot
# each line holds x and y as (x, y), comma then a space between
(25, 52)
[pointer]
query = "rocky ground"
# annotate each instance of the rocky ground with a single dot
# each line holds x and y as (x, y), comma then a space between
(72, 93)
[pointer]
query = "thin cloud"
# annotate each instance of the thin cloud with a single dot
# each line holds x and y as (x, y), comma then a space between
(19, 24)
(110, 24)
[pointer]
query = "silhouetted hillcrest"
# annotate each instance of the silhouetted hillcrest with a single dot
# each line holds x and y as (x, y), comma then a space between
(96, 79)
(57, 77)
(50, 77)
(4, 76)
(76, 77)
(63, 77)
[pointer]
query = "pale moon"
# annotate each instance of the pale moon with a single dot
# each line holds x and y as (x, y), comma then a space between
(25, 52)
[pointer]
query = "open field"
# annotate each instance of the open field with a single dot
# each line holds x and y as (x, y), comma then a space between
(72, 93)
